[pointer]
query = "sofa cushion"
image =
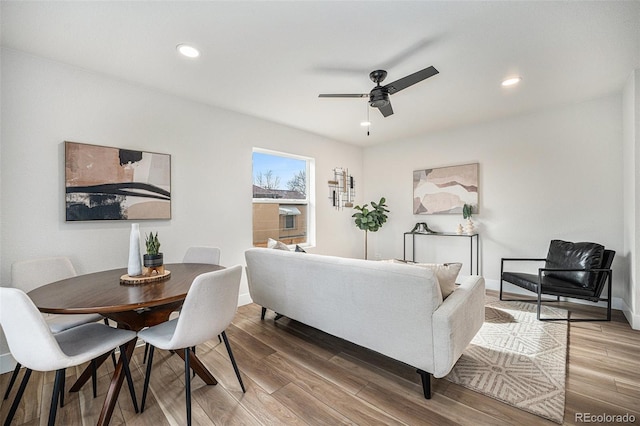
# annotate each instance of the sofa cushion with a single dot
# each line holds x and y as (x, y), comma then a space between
(446, 273)
(278, 245)
(568, 255)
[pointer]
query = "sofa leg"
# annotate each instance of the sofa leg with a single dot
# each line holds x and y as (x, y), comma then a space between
(426, 383)
(262, 314)
(278, 316)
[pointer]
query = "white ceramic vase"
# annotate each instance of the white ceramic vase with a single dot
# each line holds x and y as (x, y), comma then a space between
(135, 265)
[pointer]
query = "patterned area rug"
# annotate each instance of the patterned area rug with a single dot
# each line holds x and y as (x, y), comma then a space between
(517, 359)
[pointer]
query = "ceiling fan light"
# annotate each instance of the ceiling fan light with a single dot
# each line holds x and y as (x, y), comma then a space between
(365, 123)
(188, 51)
(511, 81)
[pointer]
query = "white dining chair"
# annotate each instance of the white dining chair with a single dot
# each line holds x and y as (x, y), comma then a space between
(196, 254)
(45, 351)
(202, 254)
(30, 274)
(208, 309)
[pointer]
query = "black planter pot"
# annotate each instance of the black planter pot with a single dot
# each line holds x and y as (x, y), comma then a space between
(152, 260)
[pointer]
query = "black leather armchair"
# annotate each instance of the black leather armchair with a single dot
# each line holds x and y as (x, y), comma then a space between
(572, 270)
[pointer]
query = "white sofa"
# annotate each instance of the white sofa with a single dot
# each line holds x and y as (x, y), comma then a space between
(394, 309)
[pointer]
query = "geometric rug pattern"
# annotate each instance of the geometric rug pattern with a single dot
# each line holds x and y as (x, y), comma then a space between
(517, 359)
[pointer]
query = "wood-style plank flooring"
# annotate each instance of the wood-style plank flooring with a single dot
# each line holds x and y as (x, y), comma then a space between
(297, 375)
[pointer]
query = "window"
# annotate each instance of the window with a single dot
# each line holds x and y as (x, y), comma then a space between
(289, 222)
(282, 198)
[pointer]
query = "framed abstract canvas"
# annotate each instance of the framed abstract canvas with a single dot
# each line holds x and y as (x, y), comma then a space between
(445, 189)
(106, 183)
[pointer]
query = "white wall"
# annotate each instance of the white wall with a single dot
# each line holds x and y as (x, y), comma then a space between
(631, 167)
(545, 175)
(45, 103)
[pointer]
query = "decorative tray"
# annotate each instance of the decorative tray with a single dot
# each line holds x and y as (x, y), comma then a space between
(143, 279)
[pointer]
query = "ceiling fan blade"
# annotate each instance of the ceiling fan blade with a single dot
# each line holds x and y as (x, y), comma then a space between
(410, 80)
(343, 95)
(386, 110)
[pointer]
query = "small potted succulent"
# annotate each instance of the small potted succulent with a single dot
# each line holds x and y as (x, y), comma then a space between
(467, 212)
(153, 258)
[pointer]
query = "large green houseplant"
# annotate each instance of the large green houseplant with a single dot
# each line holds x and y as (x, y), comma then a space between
(370, 219)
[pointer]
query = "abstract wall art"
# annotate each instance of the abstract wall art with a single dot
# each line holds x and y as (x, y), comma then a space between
(445, 189)
(106, 183)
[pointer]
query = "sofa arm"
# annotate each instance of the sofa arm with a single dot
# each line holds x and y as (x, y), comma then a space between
(456, 322)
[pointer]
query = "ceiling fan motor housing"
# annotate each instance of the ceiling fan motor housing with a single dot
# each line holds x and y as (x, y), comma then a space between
(379, 97)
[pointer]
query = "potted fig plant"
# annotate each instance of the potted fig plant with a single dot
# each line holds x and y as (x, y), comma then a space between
(153, 259)
(370, 220)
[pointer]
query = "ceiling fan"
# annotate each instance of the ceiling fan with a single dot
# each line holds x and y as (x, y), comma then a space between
(379, 95)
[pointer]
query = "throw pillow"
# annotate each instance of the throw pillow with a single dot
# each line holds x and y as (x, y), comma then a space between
(278, 245)
(446, 273)
(299, 249)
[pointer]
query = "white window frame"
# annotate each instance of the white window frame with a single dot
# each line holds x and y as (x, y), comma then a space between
(310, 201)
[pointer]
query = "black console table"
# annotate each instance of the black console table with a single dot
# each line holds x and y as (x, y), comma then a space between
(445, 234)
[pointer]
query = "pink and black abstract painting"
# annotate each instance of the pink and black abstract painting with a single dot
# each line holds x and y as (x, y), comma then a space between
(106, 183)
(445, 189)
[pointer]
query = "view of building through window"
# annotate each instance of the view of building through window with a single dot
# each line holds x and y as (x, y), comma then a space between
(280, 198)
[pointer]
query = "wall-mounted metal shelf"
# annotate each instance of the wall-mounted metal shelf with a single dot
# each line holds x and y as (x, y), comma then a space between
(342, 190)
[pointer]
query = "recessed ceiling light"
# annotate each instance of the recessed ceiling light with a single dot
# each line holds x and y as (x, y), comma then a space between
(511, 81)
(188, 51)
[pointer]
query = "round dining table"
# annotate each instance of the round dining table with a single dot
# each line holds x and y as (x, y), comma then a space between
(132, 307)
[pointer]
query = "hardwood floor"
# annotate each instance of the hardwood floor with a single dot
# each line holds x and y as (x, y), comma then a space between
(298, 375)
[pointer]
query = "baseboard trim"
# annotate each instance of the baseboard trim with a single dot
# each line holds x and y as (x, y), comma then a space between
(244, 299)
(634, 320)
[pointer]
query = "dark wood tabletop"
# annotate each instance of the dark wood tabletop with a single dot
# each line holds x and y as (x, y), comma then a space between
(102, 292)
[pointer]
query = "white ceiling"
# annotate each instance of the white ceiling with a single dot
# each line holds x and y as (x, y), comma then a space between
(271, 59)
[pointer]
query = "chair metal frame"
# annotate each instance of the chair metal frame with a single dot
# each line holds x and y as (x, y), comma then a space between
(540, 292)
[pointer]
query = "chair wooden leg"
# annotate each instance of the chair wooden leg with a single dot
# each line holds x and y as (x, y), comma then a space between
(16, 400)
(14, 376)
(187, 384)
(233, 361)
(146, 378)
(127, 373)
(55, 397)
